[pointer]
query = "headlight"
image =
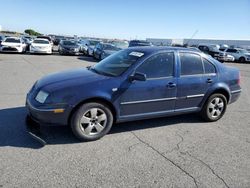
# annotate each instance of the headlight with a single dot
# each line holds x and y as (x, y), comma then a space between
(41, 96)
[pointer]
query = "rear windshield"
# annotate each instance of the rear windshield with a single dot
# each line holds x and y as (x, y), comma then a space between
(67, 42)
(12, 40)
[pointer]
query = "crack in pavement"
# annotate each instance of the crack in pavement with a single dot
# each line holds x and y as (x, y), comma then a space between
(208, 166)
(131, 146)
(176, 165)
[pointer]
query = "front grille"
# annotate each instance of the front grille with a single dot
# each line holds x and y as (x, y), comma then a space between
(9, 49)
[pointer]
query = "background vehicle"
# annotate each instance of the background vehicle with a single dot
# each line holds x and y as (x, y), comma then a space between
(239, 54)
(88, 46)
(224, 57)
(133, 84)
(120, 44)
(13, 44)
(134, 43)
(1, 38)
(103, 50)
(210, 49)
(41, 45)
(70, 47)
(46, 37)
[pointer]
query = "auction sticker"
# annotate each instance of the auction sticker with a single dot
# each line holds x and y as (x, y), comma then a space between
(137, 54)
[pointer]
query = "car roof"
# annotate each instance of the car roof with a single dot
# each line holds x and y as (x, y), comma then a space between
(153, 49)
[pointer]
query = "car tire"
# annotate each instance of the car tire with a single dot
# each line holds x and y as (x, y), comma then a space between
(214, 107)
(91, 121)
(242, 60)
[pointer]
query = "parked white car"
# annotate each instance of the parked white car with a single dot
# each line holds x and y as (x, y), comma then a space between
(13, 44)
(239, 54)
(40, 45)
(224, 57)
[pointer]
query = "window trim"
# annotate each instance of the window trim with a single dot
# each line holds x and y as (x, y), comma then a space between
(212, 74)
(158, 53)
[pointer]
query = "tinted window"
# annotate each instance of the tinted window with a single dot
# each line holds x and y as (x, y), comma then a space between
(191, 64)
(160, 65)
(209, 67)
(118, 63)
(231, 50)
(12, 40)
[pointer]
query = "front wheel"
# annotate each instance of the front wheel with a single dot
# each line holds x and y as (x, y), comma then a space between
(214, 108)
(91, 121)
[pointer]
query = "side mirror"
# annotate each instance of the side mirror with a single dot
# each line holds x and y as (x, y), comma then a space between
(138, 76)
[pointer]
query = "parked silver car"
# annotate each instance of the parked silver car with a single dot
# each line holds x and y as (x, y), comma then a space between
(87, 46)
(239, 54)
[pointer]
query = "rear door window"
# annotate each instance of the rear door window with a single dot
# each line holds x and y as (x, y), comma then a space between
(191, 64)
(209, 67)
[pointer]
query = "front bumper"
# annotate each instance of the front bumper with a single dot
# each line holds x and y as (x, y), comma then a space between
(225, 59)
(41, 51)
(70, 52)
(11, 49)
(49, 116)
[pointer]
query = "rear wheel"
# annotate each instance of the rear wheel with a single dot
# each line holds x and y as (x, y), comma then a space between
(91, 121)
(214, 108)
(242, 60)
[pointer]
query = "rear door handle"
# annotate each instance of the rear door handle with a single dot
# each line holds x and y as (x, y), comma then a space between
(209, 80)
(171, 85)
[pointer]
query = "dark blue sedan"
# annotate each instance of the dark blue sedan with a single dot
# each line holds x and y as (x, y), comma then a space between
(134, 84)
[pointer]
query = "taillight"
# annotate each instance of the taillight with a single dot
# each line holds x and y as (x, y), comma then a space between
(238, 81)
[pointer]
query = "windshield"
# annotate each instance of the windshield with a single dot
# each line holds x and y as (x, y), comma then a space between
(243, 51)
(121, 45)
(109, 47)
(41, 42)
(117, 63)
(12, 40)
(68, 42)
(93, 42)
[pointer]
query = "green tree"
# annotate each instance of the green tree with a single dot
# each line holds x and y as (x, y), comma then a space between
(31, 32)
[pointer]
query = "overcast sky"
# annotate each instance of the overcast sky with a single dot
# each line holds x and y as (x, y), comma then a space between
(129, 19)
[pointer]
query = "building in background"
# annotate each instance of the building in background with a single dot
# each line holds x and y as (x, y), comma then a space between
(195, 42)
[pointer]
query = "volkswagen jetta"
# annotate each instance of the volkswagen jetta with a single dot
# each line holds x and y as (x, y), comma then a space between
(134, 84)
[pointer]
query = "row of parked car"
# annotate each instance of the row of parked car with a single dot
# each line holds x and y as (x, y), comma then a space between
(225, 53)
(100, 50)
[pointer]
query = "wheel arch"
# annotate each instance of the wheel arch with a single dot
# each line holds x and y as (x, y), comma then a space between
(97, 100)
(221, 90)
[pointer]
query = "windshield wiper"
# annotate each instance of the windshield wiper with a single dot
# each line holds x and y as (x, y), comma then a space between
(100, 72)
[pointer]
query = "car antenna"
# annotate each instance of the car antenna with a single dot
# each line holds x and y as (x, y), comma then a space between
(196, 31)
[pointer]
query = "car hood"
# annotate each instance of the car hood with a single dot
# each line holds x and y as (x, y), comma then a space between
(68, 78)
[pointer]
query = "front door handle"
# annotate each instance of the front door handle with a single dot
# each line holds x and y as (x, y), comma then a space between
(171, 85)
(209, 80)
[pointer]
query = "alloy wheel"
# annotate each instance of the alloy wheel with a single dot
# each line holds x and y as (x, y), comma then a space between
(93, 121)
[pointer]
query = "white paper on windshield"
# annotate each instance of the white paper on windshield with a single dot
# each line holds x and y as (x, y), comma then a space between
(137, 54)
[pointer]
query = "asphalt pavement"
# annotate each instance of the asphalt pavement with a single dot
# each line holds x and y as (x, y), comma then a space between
(181, 151)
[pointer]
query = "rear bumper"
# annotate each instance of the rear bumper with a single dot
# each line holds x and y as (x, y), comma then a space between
(48, 116)
(235, 95)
